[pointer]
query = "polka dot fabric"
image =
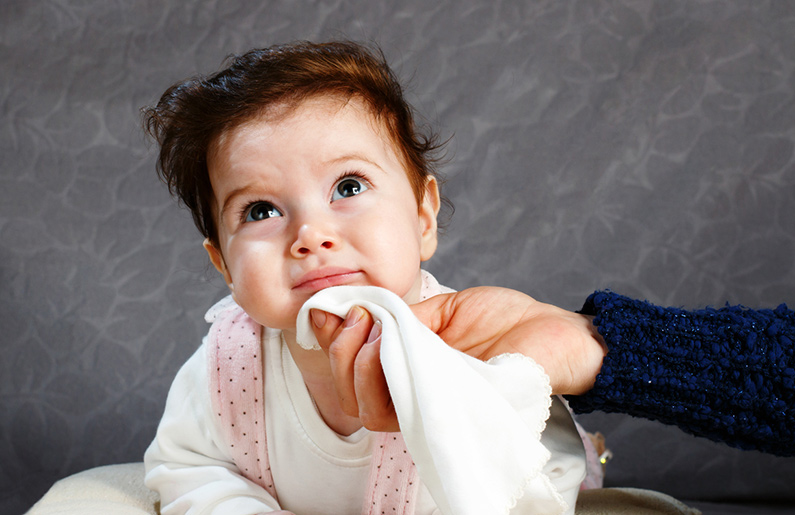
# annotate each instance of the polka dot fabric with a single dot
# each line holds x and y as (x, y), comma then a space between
(236, 382)
(393, 478)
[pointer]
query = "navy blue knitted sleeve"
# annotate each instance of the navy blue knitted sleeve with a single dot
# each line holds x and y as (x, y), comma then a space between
(726, 374)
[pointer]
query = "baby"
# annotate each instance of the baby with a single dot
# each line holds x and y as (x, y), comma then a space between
(303, 169)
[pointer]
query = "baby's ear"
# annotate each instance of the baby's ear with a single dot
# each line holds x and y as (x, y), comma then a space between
(429, 209)
(217, 260)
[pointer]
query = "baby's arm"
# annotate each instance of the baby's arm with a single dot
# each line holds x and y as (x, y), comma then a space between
(185, 463)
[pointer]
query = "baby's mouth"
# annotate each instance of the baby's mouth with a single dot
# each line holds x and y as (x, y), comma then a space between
(323, 278)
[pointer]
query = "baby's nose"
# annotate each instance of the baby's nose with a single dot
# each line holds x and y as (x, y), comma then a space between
(312, 238)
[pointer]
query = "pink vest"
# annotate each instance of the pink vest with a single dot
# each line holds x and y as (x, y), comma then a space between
(236, 375)
(236, 386)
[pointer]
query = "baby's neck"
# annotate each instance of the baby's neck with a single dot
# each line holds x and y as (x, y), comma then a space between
(316, 372)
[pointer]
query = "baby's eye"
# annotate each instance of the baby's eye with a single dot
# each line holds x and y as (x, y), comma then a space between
(348, 187)
(261, 211)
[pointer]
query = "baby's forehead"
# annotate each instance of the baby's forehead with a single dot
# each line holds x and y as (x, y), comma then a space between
(322, 129)
(314, 108)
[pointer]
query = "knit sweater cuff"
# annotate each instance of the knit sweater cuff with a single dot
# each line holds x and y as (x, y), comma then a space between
(727, 374)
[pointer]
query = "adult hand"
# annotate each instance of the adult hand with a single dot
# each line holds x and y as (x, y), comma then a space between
(353, 347)
(483, 322)
(487, 321)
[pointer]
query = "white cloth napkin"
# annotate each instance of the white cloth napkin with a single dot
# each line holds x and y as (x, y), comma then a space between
(472, 428)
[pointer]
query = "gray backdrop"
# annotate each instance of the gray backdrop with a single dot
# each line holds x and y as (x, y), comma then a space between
(643, 146)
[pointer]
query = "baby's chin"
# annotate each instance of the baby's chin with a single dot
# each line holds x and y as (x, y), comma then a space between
(288, 321)
(285, 321)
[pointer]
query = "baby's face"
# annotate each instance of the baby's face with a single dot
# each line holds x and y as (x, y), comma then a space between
(314, 199)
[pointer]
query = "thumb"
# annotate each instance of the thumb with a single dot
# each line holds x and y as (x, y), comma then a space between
(435, 312)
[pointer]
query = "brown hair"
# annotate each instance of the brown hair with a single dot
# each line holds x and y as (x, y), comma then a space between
(193, 113)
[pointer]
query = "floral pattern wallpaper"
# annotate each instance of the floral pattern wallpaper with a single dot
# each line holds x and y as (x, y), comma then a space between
(645, 146)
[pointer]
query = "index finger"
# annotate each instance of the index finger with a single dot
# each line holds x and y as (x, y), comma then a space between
(325, 326)
(342, 342)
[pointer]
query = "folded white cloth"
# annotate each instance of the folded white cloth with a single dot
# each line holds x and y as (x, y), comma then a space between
(472, 428)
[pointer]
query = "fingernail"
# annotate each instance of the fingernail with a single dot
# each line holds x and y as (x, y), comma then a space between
(318, 317)
(353, 317)
(375, 332)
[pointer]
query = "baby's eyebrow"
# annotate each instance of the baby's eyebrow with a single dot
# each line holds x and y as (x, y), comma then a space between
(354, 157)
(228, 199)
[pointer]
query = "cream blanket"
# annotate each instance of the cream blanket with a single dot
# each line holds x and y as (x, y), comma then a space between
(120, 490)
